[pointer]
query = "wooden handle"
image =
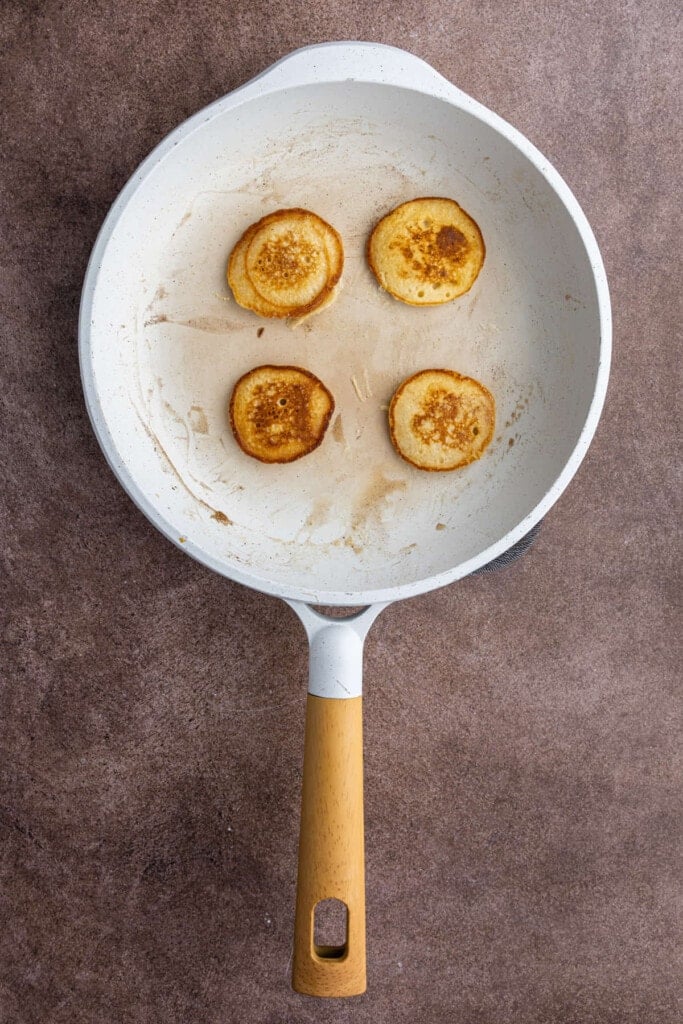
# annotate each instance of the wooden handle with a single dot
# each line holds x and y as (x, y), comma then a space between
(331, 857)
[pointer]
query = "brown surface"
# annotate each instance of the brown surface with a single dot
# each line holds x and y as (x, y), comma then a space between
(279, 413)
(271, 283)
(521, 798)
(427, 251)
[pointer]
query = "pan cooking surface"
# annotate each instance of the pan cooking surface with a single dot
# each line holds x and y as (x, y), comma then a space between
(168, 341)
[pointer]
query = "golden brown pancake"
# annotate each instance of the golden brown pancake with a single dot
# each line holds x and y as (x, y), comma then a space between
(279, 413)
(288, 264)
(440, 420)
(426, 251)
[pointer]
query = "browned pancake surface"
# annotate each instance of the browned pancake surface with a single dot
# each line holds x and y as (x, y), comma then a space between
(279, 413)
(426, 252)
(287, 264)
(441, 420)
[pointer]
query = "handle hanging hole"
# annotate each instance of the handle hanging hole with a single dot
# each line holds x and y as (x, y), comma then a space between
(330, 929)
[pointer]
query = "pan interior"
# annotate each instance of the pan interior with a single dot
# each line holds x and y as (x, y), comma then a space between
(167, 341)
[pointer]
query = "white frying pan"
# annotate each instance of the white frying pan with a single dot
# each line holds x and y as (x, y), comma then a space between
(348, 130)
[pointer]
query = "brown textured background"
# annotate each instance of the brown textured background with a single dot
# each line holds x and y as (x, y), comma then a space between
(522, 799)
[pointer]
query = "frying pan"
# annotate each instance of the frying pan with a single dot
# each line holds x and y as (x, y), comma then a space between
(349, 130)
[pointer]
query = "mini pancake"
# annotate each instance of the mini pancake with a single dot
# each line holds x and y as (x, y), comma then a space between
(279, 413)
(440, 420)
(286, 265)
(426, 251)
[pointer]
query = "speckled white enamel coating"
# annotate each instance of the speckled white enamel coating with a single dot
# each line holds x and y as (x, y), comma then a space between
(336, 650)
(348, 130)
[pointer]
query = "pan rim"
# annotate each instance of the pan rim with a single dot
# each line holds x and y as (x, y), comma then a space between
(259, 581)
